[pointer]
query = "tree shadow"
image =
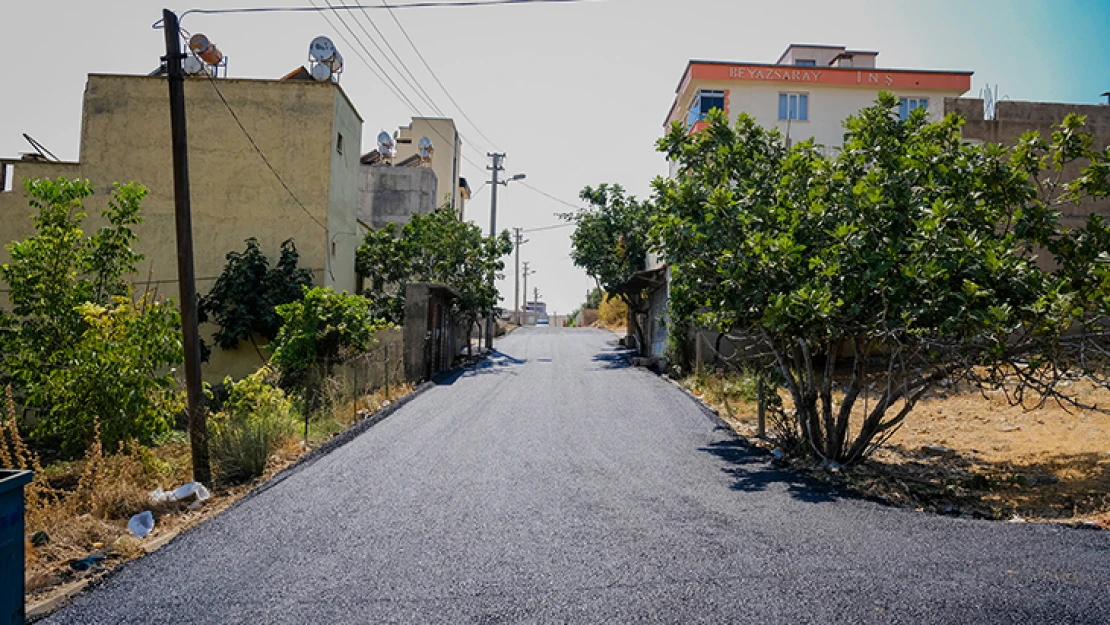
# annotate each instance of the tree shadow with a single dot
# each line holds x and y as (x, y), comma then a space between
(752, 471)
(613, 358)
(497, 362)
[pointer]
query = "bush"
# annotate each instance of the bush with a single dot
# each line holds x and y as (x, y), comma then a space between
(322, 329)
(257, 420)
(613, 312)
(77, 346)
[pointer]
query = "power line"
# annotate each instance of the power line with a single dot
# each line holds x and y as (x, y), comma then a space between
(435, 76)
(410, 5)
(549, 196)
(358, 22)
(554, 227)
(424, 95)
(384, 76)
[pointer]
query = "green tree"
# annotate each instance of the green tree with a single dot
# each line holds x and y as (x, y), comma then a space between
(244, 299)
(611, 242)
(594, 298)
(436, 247)
(911, 251)
(76, 347)
(322, 329)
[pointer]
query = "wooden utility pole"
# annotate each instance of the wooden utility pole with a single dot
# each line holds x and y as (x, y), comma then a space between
(186, 279)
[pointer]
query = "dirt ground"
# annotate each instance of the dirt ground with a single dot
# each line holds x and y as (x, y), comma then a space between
(986, 458)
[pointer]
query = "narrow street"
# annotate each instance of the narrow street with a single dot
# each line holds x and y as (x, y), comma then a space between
(556, 484)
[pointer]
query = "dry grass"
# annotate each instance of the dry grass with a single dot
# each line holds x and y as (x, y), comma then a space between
(83, 506)
(1046, 464)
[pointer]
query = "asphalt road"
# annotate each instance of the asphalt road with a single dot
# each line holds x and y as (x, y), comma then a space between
(556, 485)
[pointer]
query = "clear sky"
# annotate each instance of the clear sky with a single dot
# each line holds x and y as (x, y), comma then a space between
(575, 94)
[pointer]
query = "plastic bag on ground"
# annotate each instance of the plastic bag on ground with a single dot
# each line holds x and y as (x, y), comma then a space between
(141, 524)
(190, 490)
(160, 496)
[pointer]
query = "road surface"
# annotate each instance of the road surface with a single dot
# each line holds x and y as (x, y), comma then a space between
(554, 484)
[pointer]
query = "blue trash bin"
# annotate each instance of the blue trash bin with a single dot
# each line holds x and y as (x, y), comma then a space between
(11, 545)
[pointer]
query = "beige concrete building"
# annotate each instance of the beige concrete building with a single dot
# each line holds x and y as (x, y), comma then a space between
(452, 188)
(309, 131)
(809, 91)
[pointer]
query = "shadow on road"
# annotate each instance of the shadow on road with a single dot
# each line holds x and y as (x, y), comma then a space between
(497, 362)
(752, 472)
(615, 358)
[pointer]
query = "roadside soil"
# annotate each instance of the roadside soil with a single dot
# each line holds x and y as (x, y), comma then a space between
(985, 457)
(51, 575)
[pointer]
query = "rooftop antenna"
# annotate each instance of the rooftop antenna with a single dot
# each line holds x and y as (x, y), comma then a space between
(387, 147)
(327, 62)
(40, 148)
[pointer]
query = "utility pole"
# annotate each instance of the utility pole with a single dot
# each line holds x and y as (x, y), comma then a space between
(524, 312)
(497, 157)
(536, 302)
(518, 234)
(186, 279)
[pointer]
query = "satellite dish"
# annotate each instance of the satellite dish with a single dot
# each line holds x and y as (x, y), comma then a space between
(426, 149)
(321, 72)
(385, 145)
(193, 65)
(335, 63)
(321, 49)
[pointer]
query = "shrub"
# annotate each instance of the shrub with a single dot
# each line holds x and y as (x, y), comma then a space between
(257, 420)
(322, 329)
(613, 312)
(77, 346)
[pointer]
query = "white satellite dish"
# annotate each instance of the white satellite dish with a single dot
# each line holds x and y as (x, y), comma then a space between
(321, 72)
(321, 49)
(335, 63)
(385, 145)
(193, 65)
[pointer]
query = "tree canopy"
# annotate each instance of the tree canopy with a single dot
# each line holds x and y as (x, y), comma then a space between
(910, 252)
(436, 247)
(610, 241)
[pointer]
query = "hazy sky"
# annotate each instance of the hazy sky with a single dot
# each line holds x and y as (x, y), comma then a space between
(575, 94)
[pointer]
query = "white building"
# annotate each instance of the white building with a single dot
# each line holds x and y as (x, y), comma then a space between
(809, 91)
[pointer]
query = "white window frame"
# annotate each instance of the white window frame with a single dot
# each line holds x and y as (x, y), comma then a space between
(909, 104)
(794, 97)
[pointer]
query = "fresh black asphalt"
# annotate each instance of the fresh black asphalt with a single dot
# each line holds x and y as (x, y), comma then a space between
(555, 484)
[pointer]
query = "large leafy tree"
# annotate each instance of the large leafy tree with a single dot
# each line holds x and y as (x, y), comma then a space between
(610, 242)
(322, 329)
(76, 347)
(436, 247)
(910, 253)
(244, 299)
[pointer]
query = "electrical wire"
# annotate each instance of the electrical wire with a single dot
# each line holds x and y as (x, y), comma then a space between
(410, 5)
(435, 77)
(544, 228)
(549, 196)
(411, 80)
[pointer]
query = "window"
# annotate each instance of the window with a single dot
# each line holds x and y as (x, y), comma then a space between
(794, 106)
(805, 62)
(704, 102)
(906, 105)
(339, 143)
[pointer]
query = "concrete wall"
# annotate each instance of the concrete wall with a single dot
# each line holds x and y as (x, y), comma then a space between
(446, 159)
(394, 194)
(1014, 118)
(125, 136)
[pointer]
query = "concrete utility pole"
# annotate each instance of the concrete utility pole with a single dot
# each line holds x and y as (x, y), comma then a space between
(497, 157)
(186, 279)
(519, 240)
(536, 302)
(524, 311)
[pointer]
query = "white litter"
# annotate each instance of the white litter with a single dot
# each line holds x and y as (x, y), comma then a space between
(190, 490)
(160, 496)
(141, 524)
